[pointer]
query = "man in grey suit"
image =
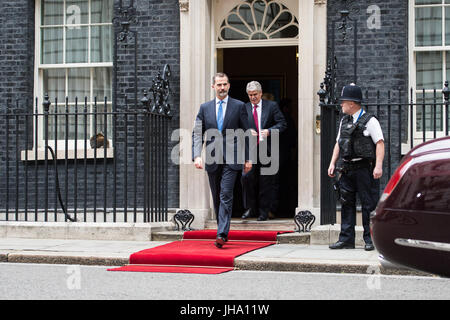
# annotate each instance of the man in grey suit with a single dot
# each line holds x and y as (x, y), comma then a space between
(265, 119)
(219, 119)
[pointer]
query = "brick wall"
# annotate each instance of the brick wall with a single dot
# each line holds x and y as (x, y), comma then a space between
(16, 49)
(382, 53)
(158, 44)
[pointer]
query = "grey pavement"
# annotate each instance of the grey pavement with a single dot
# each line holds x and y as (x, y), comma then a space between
(278, 257)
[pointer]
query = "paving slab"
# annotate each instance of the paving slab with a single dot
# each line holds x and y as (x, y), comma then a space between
(85, 252)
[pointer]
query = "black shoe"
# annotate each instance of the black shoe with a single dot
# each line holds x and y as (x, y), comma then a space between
(247, 214)
(261, 218)
(341, 245)
(219, 242)
(369, 247)
(272, 216)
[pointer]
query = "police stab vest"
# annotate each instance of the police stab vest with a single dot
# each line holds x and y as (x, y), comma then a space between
(352, 141)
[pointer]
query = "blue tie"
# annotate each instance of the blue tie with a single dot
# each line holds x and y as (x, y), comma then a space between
(220, 116)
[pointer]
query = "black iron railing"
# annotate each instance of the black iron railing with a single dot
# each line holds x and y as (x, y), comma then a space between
(83, 162)
(406, 120)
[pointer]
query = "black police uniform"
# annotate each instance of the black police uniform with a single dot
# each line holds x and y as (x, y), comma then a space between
(358, 155)
(358, 161)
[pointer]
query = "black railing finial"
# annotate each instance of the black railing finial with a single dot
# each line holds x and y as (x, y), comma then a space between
(446, 92)
(322, 93)
(46, 104)
(146, 100)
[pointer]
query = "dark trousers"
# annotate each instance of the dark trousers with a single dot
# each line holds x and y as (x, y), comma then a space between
(359, 181)
(259, 191)
(221, 183)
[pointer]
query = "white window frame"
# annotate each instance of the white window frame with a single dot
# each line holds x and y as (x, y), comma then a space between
(38, 91)
(413, 49)
(222, 43)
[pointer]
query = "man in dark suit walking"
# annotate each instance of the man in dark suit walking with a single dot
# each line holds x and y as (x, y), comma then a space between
(265, 119)
(219, 119)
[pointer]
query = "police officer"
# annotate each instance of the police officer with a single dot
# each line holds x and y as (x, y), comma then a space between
(360, 145)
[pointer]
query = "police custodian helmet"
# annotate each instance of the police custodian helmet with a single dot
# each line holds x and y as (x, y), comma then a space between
(351, 92)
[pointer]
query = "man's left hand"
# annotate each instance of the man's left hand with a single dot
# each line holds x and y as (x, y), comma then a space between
(377, 173)
(265, 133)
(247, 166)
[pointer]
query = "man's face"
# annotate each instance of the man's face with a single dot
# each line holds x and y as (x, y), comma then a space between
(348, 107)
(254, 96)
(221, 86)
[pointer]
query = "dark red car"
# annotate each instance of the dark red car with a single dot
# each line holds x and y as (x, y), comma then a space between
(411, 224)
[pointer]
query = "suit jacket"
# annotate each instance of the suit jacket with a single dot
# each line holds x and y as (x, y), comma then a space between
(271, 118)
(217, 143)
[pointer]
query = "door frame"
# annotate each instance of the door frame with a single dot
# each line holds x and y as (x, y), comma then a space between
(198, 63)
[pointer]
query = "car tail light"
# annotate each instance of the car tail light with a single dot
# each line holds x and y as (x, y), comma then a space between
(396, 178)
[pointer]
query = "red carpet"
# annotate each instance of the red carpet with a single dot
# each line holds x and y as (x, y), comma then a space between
(196, 253)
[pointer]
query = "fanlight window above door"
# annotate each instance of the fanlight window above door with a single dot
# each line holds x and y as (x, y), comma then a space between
(259, 20)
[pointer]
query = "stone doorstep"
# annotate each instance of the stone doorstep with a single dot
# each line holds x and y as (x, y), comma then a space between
(167, 236)
(328, 234)
(82, 230)
(162, 231)
(292, 238)
(319, 235)
(252, 224)
(155, 231)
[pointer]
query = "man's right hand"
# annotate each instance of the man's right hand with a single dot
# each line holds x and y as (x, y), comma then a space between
(198, 163)
(331, 170)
